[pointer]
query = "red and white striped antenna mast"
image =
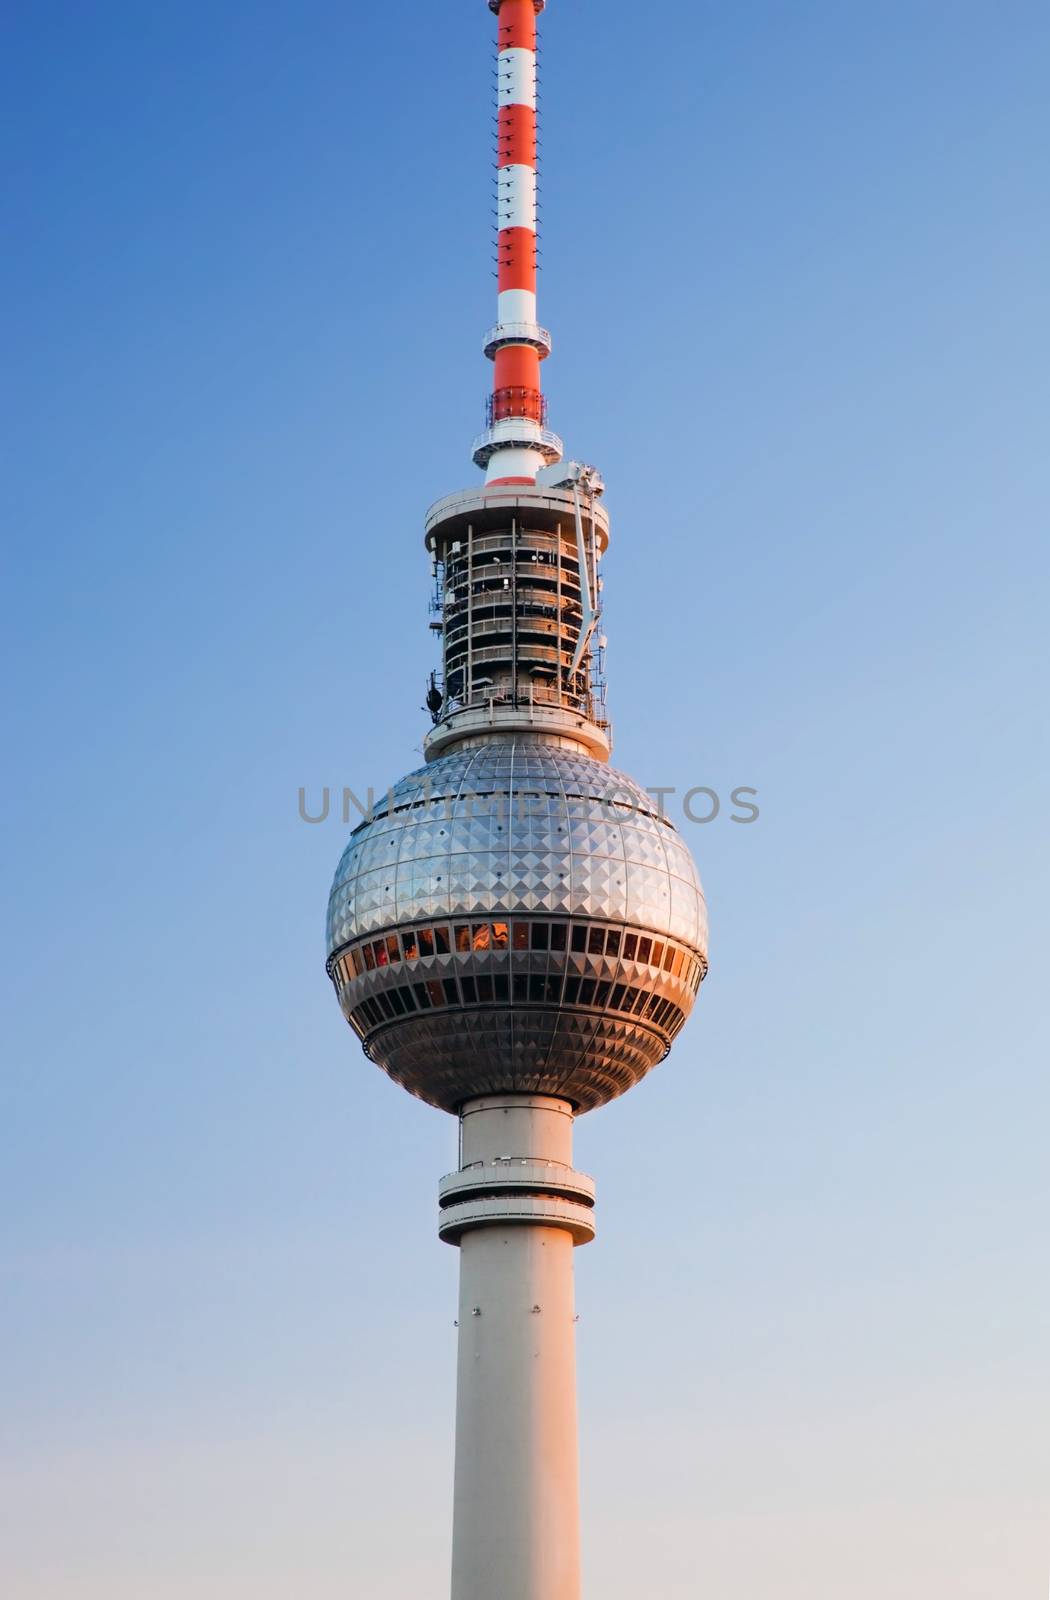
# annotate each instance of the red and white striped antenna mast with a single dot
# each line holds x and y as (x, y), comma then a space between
(517, 443)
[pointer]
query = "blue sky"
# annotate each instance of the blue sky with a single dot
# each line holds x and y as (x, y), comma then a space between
(795, 260)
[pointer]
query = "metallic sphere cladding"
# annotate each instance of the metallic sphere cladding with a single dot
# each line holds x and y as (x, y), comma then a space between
(516, 917)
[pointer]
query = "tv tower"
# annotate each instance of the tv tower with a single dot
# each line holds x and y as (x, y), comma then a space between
(516, 934)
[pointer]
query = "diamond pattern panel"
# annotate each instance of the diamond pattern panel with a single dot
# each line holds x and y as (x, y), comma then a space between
(505, 827)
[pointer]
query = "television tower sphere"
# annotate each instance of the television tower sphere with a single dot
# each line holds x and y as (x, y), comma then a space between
(516, 918)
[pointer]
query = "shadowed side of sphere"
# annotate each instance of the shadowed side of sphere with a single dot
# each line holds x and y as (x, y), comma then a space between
(548, 837)
(459, 1056)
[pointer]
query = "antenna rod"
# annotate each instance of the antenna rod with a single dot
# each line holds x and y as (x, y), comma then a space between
(516, 443)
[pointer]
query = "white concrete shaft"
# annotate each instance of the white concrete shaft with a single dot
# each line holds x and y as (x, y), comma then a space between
(516, 1520)
(515, 1125)
(516, 1523)
(512, 462)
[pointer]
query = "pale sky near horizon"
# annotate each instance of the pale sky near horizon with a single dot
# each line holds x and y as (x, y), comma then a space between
(796, 265)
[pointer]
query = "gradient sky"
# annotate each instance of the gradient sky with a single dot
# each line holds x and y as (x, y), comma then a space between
(796, 262)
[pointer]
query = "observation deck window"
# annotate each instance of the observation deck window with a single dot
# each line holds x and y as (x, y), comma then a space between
(549, 943)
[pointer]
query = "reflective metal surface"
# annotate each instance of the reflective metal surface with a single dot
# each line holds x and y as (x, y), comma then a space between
(510, 828)
(504, 827)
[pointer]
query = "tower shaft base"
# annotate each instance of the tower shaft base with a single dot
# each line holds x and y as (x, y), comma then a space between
(516, 1529)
